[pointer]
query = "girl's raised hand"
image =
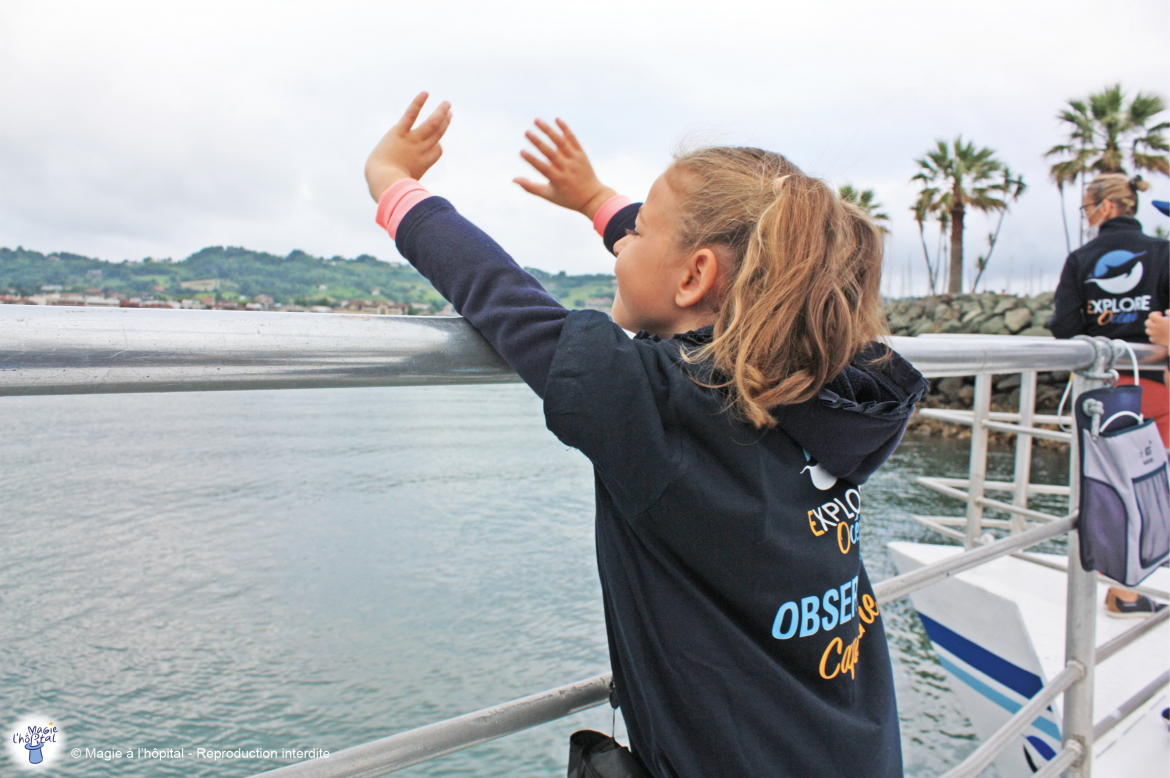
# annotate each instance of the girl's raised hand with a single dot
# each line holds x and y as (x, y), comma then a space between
(407, 151)
(571, 183)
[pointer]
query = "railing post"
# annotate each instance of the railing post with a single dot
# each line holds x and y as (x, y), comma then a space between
(1023, 475)
(977, 472)
(1080, 635)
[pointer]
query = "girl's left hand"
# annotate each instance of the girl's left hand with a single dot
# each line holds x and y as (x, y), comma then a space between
(407, 151)
(571, 183)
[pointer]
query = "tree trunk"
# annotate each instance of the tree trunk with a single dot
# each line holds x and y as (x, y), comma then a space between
(955, 285)
(1064, 218)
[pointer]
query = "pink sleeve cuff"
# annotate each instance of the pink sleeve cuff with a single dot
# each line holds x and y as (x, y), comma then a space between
(607, 211)
(396, 202)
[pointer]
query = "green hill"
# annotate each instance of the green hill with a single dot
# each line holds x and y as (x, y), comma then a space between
(238, 271)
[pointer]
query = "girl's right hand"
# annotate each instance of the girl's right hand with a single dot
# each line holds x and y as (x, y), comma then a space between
(571, 183)
(407, 151)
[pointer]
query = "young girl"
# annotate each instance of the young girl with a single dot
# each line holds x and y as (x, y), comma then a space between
(729, 439)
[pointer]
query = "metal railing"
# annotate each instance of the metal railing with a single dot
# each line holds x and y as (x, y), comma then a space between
(1081, 652)
(88, 351)
(62, 350)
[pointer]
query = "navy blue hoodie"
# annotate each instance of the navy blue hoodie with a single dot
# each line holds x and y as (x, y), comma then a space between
(1110, 285)
(743, 634)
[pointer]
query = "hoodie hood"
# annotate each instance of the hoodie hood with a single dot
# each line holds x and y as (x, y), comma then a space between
(857, 419)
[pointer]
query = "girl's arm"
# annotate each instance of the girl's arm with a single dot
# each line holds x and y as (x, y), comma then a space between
(507, 305)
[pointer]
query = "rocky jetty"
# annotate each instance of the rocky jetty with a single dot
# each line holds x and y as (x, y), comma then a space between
(977, 314)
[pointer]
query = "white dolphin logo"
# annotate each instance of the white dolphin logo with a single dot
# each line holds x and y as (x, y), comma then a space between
(1120, 284)
(821, 478)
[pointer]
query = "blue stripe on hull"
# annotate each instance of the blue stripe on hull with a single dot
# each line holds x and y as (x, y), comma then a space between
(1016, 678)
(1044, 725)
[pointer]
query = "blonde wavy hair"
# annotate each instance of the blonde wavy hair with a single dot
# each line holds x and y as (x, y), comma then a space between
(1118, 188)
(803, 296)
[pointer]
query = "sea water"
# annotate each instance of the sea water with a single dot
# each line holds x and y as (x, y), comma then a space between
(258, 573)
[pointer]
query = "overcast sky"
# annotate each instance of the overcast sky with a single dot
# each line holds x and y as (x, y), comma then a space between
(155, 129)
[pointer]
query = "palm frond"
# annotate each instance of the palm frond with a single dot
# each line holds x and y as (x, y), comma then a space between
(1156, 163)
(1106, 132)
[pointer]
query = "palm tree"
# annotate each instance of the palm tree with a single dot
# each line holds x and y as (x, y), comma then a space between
(921, 214)
(866, 200)
(1101, 130)
(955, 178)
(1012, 186)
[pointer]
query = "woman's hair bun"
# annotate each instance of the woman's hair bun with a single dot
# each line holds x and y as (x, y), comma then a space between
(1139, 184)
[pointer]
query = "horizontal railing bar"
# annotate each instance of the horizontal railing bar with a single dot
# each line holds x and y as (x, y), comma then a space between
(1067, 757)
(998, 505)
(1003, 486)
(389, 754)
(1033, 489)
(1037, 418)
(899, 586)
(1049, 563)
(958, 521)
(1063, 567)
(933, 523)
(943, 414)
(1013, 354)
(1036, 432)
(936, 485)
(1119, 715)
(941, 529)
(1111, 647)
(930, 523)
(968, 417)
(49, 350)
(79, 350)
(1005, 736)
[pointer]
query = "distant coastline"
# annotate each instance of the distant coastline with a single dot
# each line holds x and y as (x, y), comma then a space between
(236, 278)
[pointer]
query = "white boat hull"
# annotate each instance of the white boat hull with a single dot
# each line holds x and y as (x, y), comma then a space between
(998, 631)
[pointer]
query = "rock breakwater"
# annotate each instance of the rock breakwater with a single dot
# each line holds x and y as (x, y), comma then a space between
(975, 314)
(978, 314)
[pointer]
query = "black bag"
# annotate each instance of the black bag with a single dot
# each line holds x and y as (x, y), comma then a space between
(594, 755)
(1124, 519)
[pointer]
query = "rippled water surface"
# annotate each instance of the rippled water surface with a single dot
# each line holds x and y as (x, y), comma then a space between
(317, 569)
